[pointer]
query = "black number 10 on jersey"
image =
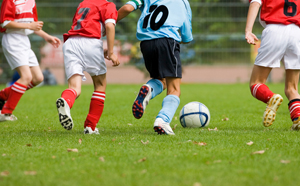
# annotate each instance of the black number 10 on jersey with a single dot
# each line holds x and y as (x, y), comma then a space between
(154, 12)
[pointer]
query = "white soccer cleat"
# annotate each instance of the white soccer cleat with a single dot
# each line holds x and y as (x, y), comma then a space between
(6, 117)
(296, 124)
(270, 112)
(162, 127)
(88, 130)
(141, 101)
(64, 114)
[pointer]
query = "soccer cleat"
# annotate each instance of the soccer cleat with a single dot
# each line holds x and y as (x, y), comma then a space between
(296, 124)
(64, 113)
(141, 101)
(270, 112)
(2, 102)
(7, 117)
(88, 130)
(162, 127)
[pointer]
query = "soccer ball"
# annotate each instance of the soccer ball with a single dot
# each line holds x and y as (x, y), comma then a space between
(194, 115)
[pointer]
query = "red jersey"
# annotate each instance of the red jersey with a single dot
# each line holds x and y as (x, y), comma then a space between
(18, 10)
(89, 16)
(280, 12)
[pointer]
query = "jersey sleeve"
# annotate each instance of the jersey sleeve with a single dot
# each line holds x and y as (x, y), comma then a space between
(35, 15)
(7, 11)
(136, 3)
(109, 14)
(251, 1)
(186, 28)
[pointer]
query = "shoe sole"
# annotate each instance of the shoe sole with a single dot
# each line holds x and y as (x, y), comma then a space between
(160, 130)
(137, 107)
(270, 112)
(65, 120)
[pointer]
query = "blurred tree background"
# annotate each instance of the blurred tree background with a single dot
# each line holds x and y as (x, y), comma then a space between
(218, 30)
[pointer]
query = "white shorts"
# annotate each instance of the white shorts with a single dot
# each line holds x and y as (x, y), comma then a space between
(84, 54)
(17, 50)
(279, 43)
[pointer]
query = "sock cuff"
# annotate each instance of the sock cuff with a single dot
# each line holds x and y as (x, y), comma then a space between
(72, 90)
(156, 87)
(171, 96)
(99, 95)
(255, 87)
(19, 84)
(101, 92)
(18, 87)
(157, 82)
(292, 101)
(31, 85)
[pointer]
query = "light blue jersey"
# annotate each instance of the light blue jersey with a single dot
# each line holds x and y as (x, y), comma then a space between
(164, 19)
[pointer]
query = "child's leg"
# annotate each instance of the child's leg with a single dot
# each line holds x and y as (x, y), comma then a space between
(17, 90)
(37, 77)
(261, 92)
(96, 105)
(148, 91)
(157, 86)
(66, 101)
(257, 83)
(169, 107)
(291, 92)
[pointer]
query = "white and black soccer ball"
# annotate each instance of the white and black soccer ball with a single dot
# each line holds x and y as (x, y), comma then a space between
(194, 115)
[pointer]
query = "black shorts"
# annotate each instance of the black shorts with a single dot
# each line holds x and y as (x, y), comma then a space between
(162, 57)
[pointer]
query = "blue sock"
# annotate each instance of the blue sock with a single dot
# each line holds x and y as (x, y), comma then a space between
(157, 87)
(169, 107)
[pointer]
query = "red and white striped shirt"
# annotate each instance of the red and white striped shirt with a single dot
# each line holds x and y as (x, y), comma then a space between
(22, 11)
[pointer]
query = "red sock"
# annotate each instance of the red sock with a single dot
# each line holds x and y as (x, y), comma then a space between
(69, 95)
(4, 93)
(30, 85)
(17, 91)
(261, 92)
(96, 109)
(294, 107)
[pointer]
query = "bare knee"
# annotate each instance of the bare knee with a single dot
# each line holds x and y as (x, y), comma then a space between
(25, 79)
(37, 80)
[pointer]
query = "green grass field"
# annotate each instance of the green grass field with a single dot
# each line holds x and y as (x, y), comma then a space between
(34, 149)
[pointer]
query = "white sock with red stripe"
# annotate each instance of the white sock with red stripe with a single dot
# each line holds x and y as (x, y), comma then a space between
(16, 92)
(96, 109)
(261, 92)
(294, 107)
